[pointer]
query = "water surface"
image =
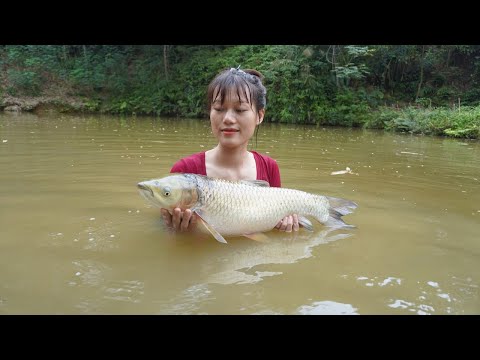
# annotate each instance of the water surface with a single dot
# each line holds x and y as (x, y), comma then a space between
(77, 238)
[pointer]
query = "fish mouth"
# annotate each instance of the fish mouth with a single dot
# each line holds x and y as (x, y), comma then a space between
(145, 189)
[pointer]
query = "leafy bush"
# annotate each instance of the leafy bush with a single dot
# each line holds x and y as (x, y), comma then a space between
(25, 82)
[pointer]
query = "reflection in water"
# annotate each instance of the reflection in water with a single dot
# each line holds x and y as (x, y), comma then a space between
(431, 293)
(236, 266)
(124, 290)
(189, 300)
(96, 274)
(327, 308)
(89, 273)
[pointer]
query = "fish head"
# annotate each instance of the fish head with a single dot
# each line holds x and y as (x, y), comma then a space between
(170, 192)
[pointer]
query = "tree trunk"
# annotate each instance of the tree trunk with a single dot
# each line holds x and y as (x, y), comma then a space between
(84, 53)
(448, 58)
(165, 60)
(334, 66)
(421, 73)
(386, 76)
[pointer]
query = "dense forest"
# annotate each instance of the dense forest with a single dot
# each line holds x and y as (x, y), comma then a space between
(428, 89)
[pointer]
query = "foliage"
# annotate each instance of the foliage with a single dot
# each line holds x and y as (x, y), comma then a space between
(437, 121)
(411, 88)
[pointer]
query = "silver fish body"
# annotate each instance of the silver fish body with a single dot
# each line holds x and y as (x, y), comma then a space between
(233, 208)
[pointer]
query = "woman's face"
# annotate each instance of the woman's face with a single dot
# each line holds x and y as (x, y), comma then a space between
(234, 121)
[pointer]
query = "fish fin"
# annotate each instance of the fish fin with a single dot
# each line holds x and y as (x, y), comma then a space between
(261, 237)
(335, 220)
(255, 182)
(342, 206)
(210, 228)
(338, 208)
(246, 182)
(307, 224)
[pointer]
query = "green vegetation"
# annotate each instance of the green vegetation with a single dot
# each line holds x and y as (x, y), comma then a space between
(425, 89)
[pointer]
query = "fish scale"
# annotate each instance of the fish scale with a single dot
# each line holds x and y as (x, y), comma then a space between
(241, 207)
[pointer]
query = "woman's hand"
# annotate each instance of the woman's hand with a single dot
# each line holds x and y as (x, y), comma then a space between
(179, 221)
(288, 223)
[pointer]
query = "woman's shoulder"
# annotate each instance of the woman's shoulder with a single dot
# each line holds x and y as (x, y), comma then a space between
(268, 160)
(194, 157)
(267, 169)
(194, 163)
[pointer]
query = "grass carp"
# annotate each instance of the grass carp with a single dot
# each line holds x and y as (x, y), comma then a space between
(245, 207)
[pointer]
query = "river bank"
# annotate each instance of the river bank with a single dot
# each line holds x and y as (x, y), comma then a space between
(457, 122)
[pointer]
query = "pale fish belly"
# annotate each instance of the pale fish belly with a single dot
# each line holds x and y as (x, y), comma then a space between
(236, 209)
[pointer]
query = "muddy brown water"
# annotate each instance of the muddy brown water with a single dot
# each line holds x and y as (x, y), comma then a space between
(77, 238)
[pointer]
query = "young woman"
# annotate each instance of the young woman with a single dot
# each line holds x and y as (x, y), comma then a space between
(236, 101)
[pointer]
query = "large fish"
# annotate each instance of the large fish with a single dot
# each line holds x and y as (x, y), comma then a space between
(248, 208)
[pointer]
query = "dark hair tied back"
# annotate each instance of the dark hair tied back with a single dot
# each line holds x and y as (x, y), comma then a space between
(235, 78)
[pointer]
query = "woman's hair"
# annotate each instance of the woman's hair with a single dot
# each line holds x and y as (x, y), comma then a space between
(236, 79)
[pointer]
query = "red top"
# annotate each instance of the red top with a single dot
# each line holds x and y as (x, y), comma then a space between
(267, 168)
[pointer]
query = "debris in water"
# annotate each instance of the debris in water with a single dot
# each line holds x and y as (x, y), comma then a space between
(346, 171)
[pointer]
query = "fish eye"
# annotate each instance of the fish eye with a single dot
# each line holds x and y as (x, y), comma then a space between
(166, 191)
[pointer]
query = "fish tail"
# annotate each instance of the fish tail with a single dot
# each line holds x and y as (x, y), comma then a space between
(338, 208)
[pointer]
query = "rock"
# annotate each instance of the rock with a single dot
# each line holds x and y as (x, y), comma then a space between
(13, 108)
